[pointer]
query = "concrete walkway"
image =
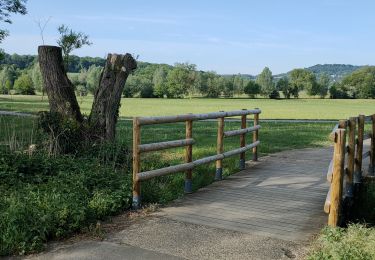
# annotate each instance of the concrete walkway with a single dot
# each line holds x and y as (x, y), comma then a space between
(271, 210)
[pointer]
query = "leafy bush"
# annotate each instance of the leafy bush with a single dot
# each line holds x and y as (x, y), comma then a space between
(252, 89)
(274, 94)
(336, 91)
(147, 91)
(44, 198)
(355, 242)
(24, 85)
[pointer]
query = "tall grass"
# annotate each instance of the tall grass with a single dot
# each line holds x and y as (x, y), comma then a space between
(17, 133)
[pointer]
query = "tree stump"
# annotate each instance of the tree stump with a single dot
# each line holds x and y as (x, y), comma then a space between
(62, 99)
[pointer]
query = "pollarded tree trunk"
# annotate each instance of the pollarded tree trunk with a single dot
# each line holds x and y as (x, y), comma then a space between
(60, 90)
(105, 109)
(62, 99)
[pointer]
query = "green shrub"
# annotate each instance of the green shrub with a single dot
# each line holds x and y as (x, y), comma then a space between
(24, 85)
(44, 198)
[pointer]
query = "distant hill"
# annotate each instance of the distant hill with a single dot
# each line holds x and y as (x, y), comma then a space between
(336, 71)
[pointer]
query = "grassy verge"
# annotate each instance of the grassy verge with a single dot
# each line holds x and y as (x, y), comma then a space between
(272, 109)
(46, 198)
(357, 241)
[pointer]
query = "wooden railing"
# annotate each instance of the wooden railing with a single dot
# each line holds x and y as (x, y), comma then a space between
(345, 171)
(188, 142)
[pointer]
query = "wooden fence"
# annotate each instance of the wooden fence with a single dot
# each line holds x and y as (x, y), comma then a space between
(188, 142)
(345, 171)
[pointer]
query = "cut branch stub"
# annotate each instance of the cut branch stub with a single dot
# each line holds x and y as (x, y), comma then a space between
(60, 90)
(105, 109)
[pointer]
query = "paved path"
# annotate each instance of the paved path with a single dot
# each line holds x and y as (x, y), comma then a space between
(268, 211)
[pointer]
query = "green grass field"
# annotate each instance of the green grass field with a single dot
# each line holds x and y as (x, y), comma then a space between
(271, 109)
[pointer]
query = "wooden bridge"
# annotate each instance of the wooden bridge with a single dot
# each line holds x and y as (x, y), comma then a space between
(281, 196)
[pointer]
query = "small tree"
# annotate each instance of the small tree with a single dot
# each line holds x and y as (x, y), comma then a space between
(181, 79)
(301, 79)
(70, 40)
(288, 89)
(228, 87)
(323, 85)
(93, 77)
(24, 85)
(37, 78)
(265, 81)
(147, 90)
(8, 86)
(252, 89)
(238, 83)
(159, 80)
(9, 74)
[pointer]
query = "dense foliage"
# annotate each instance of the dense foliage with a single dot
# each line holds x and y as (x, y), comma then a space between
(44, 198)
(360, 84)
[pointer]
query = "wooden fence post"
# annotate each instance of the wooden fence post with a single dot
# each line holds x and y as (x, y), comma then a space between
(136, 164)
(337, 177)
(243, 142)
(188, 157)
(220, 148)
(372, 150)
(255, 137)
(351, 156)
(358, 156)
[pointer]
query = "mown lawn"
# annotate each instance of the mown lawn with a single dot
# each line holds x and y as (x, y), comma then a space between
(271, 109)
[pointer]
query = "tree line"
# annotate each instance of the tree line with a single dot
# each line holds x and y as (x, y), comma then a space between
(20, 74)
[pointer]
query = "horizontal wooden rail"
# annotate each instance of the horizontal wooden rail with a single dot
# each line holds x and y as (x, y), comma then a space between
(194, 117)
(189, 166)
(144, 148)
(188, 142)
(241, 131)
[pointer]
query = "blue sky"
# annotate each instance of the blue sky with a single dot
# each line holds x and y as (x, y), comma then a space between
(224, 36)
